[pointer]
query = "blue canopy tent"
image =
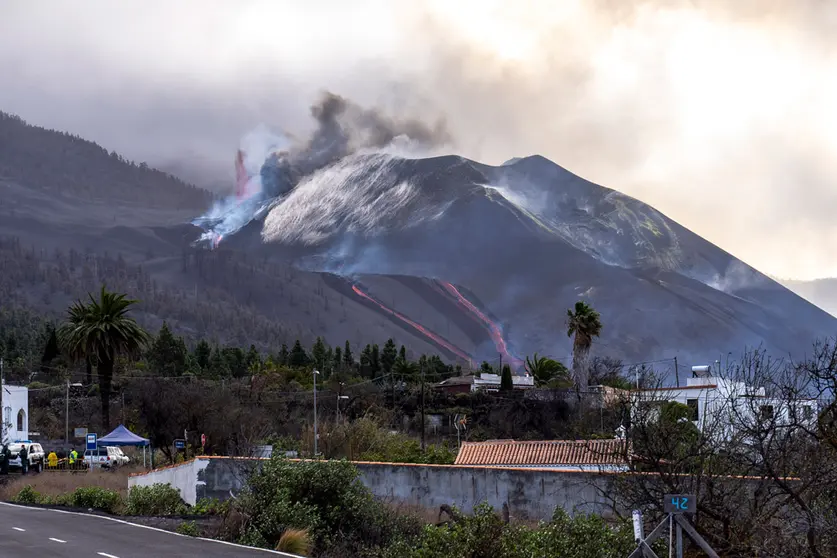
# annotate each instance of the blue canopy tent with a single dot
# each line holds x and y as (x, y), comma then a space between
(121, 436)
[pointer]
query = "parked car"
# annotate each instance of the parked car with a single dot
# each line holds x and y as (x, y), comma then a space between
(117, 455)
(99, 457)
(105, 456)
(34, 454)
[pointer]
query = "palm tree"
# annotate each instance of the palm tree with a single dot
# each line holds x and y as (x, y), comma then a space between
(545, 369)
(584, 323)
(100, 332)
(76, 351)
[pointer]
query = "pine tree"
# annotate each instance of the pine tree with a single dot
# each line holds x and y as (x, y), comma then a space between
(51, 350)
(506, 383)
(318, 354)
(218, 365)
(337, 361)
(365, 361)
(253, 361)
(402, 354)
(283, 356)
(297, 358)
(168, 355)
(374, 361)
(348, 358)
(202, 354)
(388, 356)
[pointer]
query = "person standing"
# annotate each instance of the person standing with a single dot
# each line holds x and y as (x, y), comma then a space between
(24, 459)
(4, 460)
(73, 457)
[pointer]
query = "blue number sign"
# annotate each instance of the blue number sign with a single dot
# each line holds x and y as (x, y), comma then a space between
(679, 503)
(91, 441)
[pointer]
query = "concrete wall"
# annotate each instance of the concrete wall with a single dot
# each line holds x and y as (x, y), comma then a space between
(529, 493)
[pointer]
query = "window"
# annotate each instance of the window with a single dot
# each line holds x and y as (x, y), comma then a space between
(21, 421)
(694, 409)
(766, 412)
(807, 412)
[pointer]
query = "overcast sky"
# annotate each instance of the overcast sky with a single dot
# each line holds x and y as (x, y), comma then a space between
(720, 113)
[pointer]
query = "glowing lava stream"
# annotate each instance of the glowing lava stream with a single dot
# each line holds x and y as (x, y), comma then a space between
(493, 329)
(417, 326)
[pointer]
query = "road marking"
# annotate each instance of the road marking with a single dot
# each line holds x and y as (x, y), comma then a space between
(19, 529)
(106, 555)
(57, 540)
(171, 533)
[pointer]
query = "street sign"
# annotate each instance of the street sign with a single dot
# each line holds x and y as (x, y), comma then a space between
(203, 440)
(180, 444)
(80, 433)
(91, 441)
(679, 503)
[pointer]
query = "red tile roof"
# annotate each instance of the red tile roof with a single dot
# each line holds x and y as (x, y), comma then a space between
(550, 452)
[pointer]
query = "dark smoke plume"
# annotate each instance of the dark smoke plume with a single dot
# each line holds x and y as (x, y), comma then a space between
(345, 127)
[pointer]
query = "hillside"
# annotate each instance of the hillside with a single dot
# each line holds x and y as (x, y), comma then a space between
(445, 255)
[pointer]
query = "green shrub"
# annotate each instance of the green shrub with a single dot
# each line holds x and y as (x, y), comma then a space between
(188, 528)
(484, 535)
(28, 495)
(324, 497)
(96, 498)
(157, 499)
(210, 506)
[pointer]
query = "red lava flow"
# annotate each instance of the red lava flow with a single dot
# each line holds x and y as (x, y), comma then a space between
(457, 351)
(493, 329)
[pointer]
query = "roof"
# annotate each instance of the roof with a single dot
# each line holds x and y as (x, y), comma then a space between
(549, 452)
(457, 381)
(121, 436)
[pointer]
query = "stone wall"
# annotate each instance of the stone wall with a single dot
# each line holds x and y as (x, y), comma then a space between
(529, 493)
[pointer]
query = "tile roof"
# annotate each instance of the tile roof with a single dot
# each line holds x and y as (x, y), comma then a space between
(550, 452)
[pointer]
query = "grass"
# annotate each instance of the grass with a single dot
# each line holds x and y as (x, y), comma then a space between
(295, 541)
(57, 483)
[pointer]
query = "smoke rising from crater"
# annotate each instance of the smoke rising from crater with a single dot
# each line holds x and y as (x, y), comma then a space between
(719, 113)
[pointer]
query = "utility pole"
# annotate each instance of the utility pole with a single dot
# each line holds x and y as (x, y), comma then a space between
(676, 372)
(2, 408)
(315, 413)
(423, 445)
(67, 415)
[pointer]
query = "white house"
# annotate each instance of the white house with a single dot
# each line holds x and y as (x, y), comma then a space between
(483, 382)
(719, 404)
(14, 401)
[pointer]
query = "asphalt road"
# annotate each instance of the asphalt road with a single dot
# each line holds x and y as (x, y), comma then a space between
(46, 533)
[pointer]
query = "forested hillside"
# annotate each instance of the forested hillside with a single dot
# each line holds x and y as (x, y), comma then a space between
(71, 166)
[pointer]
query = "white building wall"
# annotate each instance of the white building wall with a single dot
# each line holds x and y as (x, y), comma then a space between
(14, 401)
(723, 403)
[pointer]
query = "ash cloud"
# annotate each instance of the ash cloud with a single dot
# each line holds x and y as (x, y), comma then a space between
(277, 164)
(718, 113)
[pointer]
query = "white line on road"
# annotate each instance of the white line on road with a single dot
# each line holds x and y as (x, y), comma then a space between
(19, 529)
(57, 540)
(106, 555)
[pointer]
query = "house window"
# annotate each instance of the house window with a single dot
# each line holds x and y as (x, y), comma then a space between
(21, 420)
(807, 412)
(766, 412)
(694, 409)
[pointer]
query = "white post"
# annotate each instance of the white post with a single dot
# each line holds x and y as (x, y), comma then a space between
(67, 416)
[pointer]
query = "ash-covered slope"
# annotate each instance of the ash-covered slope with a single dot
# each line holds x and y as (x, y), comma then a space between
(528, 239)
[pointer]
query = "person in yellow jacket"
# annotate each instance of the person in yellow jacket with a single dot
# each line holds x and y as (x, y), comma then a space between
(73, 457)
(52, 459)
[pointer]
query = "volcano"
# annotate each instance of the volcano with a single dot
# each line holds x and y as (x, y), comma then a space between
(511, 247)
